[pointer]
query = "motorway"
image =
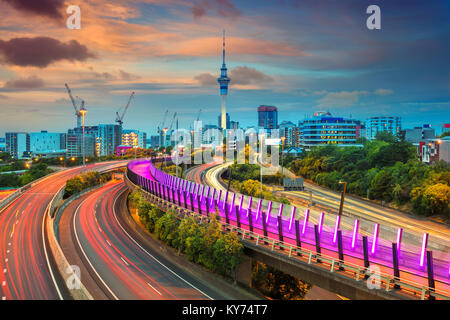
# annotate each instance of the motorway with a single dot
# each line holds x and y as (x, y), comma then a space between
(95, 236)
(25, 268)
(367, 212)
(212, 177)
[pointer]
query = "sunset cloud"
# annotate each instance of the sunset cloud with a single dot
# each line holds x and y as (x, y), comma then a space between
(41, 51)
(31, 82)
(47, 8)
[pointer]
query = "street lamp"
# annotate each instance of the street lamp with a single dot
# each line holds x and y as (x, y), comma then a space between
(282, 148)
(261, 137)
(83, 112)
(341, 207)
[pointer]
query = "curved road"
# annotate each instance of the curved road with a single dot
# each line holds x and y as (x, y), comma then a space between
(123, 267)
(25, 269)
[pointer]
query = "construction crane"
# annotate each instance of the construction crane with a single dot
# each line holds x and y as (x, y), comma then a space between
(77, 111)
(169, 128)
(160, 131)
(119, 118)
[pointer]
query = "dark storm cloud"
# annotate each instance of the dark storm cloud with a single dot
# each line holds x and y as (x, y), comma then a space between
(41, 51)
(46, 8)
(32, 82)
(223, 8)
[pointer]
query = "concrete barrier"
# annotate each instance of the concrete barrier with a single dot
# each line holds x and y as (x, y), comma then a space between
(63, 266)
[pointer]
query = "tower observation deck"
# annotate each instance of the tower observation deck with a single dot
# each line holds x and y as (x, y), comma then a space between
(223, 82)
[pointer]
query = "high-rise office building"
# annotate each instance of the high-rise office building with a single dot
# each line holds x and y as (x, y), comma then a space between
(268, 117)
(223, 81)
(74, 141)
(418, 134)
(109, 137)
(227, 122)
(134, 138)
(378, 124)
(154, 142)
(324, 129)
(45, 142)
(17, 143)
(289, 131)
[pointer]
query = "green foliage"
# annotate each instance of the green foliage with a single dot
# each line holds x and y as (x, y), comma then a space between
(10, 180)
(203, 243)
(243, 172)
(276, 284)
(384, 169)
(253, 188)
(82, 182)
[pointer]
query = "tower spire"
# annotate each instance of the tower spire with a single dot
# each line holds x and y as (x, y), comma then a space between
(223, 46)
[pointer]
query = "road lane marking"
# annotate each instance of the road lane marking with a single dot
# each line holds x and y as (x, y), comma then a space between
(84, 253)
(124, 261)
(154, 288)
(4, 283)
(152, 256)
(6, 260)
(4, 270)
(108, 243)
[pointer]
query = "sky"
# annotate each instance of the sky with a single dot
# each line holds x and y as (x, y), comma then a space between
(299, 55)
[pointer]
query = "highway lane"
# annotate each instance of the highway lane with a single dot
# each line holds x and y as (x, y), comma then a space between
(212, 178)
(124, 268)
(368, 213)
(26, 272)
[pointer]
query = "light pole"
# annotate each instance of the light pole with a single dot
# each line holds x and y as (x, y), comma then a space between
(282, 148)
(261, 137)
(83, 112)
(341, 207)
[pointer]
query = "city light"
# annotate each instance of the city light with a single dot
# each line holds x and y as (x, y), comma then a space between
(321, 221)
(376, 230)
(399, 238)
(355, 233)
(424, 249)
(336, 228)
(305, 221)
(292, 217)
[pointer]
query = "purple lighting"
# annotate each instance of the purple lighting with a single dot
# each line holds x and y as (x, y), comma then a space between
(336, 228)
(399, 238)
(269, 208)
(376, 231)
(258, 210)
(424, 248)
(249, 206)
(292, 217)
(232, 202)
(241, 199)
(201, 193)
(355, 233)
(305, 221)
(212, 198)
(321, 221)
(280, 211)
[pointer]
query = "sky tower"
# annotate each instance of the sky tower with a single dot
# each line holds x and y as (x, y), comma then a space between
(223, 82)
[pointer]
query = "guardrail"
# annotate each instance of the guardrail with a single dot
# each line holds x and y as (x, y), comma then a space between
(13, 196)
(170, 190)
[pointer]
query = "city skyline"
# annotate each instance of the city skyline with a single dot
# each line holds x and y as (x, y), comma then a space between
(169, 52)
